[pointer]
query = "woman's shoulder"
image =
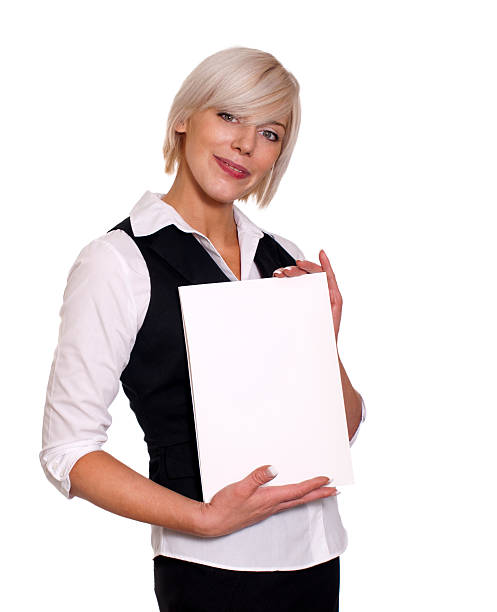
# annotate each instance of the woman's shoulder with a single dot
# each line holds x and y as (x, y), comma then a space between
(113, 252)
(110, 267)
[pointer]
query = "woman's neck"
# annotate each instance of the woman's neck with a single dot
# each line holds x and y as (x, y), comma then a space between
(212, 218)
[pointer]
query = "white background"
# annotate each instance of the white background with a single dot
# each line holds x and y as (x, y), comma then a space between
(393, 175)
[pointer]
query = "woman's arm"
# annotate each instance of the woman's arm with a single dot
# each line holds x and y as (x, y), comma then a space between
(352, 401)
(106, 482)
(99, 321)
(103, 480)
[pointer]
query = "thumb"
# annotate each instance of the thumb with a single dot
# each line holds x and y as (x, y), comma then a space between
(261, 475)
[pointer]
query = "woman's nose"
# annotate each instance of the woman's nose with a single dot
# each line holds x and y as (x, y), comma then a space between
(244, 140)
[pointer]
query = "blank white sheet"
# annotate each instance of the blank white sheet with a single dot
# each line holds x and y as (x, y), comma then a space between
(265, 380)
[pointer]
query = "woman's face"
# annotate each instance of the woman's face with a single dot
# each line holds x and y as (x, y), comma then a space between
(214, 138)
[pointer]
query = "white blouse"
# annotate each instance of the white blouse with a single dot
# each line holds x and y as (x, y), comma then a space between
(104, 305)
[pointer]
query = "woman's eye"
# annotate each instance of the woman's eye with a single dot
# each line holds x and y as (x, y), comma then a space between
(271, 133)
(226, 115)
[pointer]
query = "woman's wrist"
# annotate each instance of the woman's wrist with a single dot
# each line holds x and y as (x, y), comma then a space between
(201, 520)
(193, 520)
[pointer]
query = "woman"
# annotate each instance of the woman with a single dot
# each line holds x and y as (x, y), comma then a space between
(231, 132)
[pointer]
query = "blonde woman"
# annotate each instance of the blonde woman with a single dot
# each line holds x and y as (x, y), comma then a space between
(230, 135)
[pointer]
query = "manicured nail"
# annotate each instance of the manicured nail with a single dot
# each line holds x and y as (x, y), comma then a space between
(272, 470)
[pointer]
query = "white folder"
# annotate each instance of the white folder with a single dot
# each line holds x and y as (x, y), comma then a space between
(265, 380)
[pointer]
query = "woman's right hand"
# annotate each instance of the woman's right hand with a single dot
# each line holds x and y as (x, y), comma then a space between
(246, 502)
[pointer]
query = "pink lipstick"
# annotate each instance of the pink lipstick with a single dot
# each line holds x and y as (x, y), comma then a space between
(231, 168)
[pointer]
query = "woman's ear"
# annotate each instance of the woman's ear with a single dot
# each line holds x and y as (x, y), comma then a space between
(180, 127)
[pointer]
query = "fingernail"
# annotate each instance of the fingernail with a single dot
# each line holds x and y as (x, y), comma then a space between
(272, 471)
(337, 493)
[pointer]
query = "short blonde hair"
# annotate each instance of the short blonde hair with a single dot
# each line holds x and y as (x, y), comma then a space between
(246, 82)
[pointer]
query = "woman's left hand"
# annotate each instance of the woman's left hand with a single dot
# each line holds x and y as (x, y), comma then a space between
(308, 267)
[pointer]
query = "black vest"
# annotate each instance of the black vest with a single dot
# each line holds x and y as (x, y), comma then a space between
(156, 378)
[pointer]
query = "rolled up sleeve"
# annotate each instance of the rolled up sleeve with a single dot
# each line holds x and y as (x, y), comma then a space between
(98, 326)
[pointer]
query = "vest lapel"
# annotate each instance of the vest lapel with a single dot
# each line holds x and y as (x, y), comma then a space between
(270, 255)
(182, 251)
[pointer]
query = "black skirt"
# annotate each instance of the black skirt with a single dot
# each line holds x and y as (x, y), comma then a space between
(183, 586)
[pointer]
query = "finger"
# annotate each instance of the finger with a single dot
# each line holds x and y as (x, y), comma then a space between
(293, 271)
(258, 477)
(330, 275)
(309, 266)
(321, 493)
(283, 493)
(288, 271)
(325, 262)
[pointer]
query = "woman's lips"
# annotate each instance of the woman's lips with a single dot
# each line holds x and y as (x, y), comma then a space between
(231, 168)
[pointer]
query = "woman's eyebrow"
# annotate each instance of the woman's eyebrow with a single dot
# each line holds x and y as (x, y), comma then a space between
(274, 123)
(277, 123)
